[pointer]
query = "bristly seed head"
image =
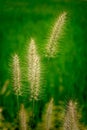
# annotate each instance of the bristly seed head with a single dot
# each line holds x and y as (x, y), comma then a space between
(23, 118)
(34, 71)
(51, 48)
(71, 117)
(49, 115)
(16, 75)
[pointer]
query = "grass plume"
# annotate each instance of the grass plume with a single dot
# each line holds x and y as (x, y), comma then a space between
(51, 47)
(71, 117)
(34, 71)
(16, 75)
(23, 118)
(49, 111)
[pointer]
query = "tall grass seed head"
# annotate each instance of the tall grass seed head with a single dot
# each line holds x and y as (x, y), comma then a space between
(16, 75)
(53, 42)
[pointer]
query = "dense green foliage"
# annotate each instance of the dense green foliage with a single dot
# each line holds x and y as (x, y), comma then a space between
(65, 77)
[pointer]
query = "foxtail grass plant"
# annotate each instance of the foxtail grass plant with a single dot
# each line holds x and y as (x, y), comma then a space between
(34, 71)
(71, 117)
(23, 118)
(71, 121)
(53, 41)
(16, 77)
(34, 75)
(48, 118)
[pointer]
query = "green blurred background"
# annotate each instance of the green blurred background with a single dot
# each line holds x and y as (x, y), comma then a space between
(66, 75)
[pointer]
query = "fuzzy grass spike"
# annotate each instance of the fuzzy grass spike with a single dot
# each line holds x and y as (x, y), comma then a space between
(51, 48)
(49, 115)
(23, 118)
(34, 71)
(71, 117)
(16, 75)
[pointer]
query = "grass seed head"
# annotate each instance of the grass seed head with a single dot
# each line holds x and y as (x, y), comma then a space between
(34, 70)
(23, 118)
(49, 115)
(51, 47)
(71, 117)
(16, 75)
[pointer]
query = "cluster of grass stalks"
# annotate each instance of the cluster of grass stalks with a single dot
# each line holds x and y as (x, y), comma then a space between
(51, 118)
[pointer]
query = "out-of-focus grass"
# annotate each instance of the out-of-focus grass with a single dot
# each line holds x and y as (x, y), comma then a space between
(21, 20)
